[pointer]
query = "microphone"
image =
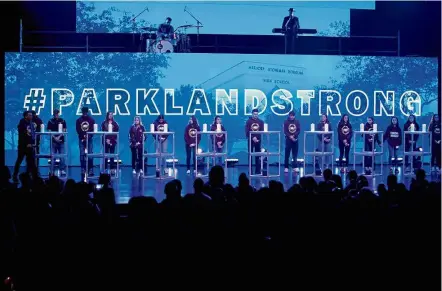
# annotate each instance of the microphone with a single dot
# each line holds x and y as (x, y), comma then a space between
(185, 7)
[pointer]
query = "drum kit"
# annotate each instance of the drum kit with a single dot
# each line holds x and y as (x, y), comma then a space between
(178, 41)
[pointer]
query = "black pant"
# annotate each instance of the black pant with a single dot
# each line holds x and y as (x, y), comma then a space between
(344, 151)
(368, 160)
(256, 148)
(109, 149)
(290, 146)
(190, 154)
(30, 161)
(435, 155)
(137, 158)
(290, 39)
(409, 147)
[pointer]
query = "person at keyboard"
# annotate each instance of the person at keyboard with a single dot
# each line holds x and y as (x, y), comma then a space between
(290, 26)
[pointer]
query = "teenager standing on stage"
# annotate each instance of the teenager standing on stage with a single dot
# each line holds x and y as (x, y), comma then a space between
(254, 124)
(26, 141)
(292, 129)
(369, 144)
(110, 141)
(220, 138)
(85, 124)
(190, 138)
(159, 125)
(393, 136)
(136, 141)
(410, 139)
(345, 133)
(324, 143)
(58, 140)
(434, 128)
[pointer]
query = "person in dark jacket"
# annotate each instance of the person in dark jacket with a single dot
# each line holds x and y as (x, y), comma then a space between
(410, 139)
(38, 122)
(345, 133)
(369, 145)
(58, 141)
(192, 141)
(292, 128)
(393, 136)
(85, 124)
(159, 125)
(434, 128)
(136, 142)
(26, 143)
(254, 124)
(218, 140)
(324, 144)
(110, 140)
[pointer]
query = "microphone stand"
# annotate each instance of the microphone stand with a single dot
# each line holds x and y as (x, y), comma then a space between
(198, 24)
(134, 25)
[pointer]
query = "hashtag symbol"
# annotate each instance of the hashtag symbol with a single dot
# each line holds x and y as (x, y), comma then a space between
(35, 100)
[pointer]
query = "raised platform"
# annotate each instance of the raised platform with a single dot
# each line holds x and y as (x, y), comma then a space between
(128, 185)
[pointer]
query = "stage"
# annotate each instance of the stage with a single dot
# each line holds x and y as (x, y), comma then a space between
(128, 185)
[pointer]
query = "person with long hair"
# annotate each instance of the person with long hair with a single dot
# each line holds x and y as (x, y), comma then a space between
(410, 139)
(345, 133)
(254, 123)
(369, 144)
(85, 123)
(136, 141)
(393, 136)
(190, 139)
(292, 128)
(159, 125)
(324, 144)
(218, 139)
(110, 141)
(434, 128)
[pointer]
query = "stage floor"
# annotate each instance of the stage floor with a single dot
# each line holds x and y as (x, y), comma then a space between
(128, 185)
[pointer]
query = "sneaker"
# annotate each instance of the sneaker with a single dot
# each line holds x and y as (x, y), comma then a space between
(141, 172)
(296, 170)
(63, 173)
(391, 169)
(188, 172)
(113, 172)
(407, 169)
(342, 170)
(15, 179)
(91, 174)
(286, 170)
(134, 172)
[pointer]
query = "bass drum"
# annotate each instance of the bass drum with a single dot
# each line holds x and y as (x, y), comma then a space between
(163, 46)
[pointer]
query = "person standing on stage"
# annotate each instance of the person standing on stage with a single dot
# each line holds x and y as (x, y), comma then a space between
(136, 141)
(254, 124)
(292, 128)
(220, 138)
(345, 133)
(410, 139)
(26, 142)
(159, 125)
(110, 141)
(324, 144)
(190, 138)
(290, 27)
(84, 124)
(434, 128)
(58, 140)
(38, 122)
(369, 144)
(393, 136)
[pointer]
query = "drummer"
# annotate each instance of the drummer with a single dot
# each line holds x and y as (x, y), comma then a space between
(165, 30)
